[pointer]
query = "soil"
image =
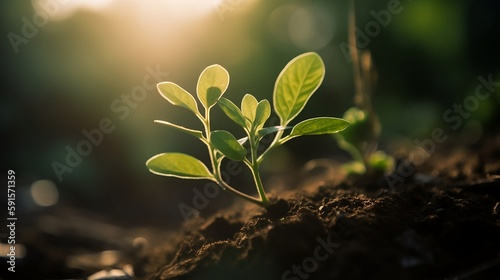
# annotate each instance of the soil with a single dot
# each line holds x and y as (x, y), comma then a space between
(441, 221)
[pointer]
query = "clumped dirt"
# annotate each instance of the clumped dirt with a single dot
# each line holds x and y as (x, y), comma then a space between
(442, 222)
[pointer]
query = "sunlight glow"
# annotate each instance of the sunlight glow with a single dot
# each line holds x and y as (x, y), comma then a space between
(184, 9)
(62, 9)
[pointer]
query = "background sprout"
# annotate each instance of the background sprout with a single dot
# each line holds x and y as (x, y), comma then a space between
(361, 139)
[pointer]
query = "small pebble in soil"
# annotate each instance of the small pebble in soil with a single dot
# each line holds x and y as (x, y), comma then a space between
(440, 211)
(113, 274)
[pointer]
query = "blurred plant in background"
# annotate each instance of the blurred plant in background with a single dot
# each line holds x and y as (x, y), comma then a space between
(361, 138)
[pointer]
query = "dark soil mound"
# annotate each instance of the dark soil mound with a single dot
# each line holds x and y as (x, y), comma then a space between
(441, 222)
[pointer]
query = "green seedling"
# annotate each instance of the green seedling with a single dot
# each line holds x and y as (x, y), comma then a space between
(296, 83)
(361, 139)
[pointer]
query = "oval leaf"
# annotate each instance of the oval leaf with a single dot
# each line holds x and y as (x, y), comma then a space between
(272, 129)
(243, 140)
(196, 133)
(178, 165)
(212, 83)
(232, 111)
(300, 78)
(249, 106)
(177, 96)
(262, 113)
(227, 144)
(321, 125)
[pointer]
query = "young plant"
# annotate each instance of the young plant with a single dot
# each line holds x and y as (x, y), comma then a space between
(361, 139)
(296, 83)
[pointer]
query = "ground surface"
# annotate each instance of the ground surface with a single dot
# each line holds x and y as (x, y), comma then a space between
(442, 221)
(438, 221)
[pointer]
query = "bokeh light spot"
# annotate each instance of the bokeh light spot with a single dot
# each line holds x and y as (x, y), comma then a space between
(306, 27)
(44, 193)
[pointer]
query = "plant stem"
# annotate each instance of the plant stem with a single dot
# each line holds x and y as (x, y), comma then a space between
(274, 144)
(240, 194)
(216, 168)
(358, 84)
(258, 183)
(254, 168)
(225, 186)
(211, 149)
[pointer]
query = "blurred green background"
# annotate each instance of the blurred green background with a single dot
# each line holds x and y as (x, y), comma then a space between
(67, 65)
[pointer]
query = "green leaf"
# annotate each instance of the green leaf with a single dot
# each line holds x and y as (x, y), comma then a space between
(227, 144)
(265, 131)
(272, 129)
(212, 83)
(177, 96)
(232, 111)
(249, 106)
(262, 113)
(196, 133)
(296, 83)
(321, 125)
(360, 127)
(178, 165)
(380, 161)
(243, 140)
